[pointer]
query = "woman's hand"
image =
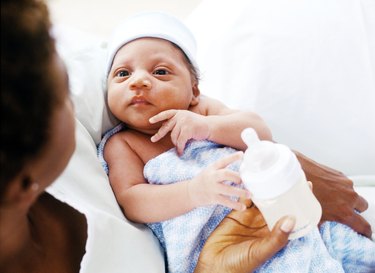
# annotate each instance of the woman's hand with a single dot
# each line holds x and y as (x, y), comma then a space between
(336, 195)
(242, 242)
(207, 188)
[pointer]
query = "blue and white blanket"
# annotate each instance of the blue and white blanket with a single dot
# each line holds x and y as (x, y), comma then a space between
(333, 248)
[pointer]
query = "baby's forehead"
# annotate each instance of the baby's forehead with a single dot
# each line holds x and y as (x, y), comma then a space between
(153, 41)
(150, 47)
(148, 39)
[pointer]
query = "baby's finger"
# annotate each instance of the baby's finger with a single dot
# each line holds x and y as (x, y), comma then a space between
(228, 175)
(227, 202)
(181, 142)
(163, 131)
(224, 162)
(164, 115)
(232, 191)
(175, 132)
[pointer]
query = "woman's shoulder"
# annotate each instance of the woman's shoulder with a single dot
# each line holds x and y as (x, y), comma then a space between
(65, 230)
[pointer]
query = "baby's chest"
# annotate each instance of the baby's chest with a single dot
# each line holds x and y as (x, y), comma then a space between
(146, 149)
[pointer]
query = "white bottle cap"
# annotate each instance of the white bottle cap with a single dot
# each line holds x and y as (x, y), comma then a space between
(268, 169)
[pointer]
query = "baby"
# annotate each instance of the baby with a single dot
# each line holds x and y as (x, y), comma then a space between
(171, 133)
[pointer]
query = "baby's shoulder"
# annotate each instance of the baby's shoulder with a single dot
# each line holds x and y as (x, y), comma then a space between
(130, 142)
(130, 136)
(207, 106)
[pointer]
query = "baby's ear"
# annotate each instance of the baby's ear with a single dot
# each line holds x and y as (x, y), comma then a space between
(196, 94)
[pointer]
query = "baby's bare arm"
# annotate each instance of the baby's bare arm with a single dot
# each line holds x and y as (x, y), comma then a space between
(226, 124)
(145, 203)
(140, 201)
(211, 120)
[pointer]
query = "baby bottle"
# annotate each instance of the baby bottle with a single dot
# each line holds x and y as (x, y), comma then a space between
(272, 173)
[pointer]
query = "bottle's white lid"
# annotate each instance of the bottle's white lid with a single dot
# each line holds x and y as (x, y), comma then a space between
(268, 169)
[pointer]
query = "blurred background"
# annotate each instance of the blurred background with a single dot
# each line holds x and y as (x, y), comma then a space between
(99, 17)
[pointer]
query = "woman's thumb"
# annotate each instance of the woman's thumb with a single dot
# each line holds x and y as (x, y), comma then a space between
(278, 237)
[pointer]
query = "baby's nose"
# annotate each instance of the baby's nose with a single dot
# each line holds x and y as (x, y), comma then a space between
(140, 80)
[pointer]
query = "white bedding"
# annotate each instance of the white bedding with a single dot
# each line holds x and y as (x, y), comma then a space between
(306, 66)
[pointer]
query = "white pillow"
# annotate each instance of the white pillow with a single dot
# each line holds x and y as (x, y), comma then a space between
(85, 59)
(307, 67)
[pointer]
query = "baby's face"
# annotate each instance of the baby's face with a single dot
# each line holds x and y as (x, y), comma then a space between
(148, 75)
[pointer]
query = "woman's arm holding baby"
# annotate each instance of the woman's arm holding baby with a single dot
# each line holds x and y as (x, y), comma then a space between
(336, 194)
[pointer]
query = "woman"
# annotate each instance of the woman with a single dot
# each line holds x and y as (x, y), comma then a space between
(37, 137)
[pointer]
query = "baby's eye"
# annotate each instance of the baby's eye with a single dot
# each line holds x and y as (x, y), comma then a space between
(123, 73)
(160, 72)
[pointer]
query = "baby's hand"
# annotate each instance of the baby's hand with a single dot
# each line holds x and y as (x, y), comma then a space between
(208, 187)
(183, 125)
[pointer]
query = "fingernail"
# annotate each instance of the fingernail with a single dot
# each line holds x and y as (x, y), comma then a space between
(287, 225)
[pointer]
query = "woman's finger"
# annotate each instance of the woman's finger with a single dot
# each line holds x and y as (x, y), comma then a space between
(358, 223)
(274, 241)
(361, 204)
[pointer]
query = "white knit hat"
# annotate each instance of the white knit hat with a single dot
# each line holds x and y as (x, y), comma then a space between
(153, 24)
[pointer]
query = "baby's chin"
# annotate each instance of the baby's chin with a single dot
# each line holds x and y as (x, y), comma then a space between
(145, 128)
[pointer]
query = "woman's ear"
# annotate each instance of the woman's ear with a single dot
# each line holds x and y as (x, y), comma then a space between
(196, 94)
(21, 192)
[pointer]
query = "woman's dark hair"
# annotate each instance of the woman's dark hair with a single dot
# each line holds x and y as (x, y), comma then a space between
(28, 95)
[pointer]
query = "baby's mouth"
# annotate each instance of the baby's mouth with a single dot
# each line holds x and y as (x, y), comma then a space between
(139, 101)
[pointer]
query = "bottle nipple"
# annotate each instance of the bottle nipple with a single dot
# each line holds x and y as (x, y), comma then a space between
(260, 155)
(249, 136)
